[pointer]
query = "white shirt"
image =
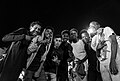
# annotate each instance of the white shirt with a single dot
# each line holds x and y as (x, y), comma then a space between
(78, 49)
(107, 32)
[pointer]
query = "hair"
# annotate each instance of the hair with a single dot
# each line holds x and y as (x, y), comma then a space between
(49, 27)
(57, 36)
(74, 29)
(35, 22)
(95, 24)
(65, 31)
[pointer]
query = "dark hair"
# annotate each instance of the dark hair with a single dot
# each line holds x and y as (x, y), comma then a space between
(65, 31)
(57, 36)
(82, 31)
(49, 27)
(35, 22)
(74, 29)
(96, 24)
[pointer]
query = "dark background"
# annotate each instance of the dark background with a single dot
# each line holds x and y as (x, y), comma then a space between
(60, 14)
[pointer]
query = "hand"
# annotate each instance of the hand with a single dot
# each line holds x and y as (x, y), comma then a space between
(47, 41)
(113, 67)
(27, 37)
(55, 58)
(44, 41)
(100, 45)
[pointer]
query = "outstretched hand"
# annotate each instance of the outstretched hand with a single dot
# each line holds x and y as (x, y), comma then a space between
(113, 67)
(55, 59)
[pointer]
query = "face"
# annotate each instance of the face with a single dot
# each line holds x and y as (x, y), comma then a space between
(73, 34)
(85, 37)
(48, 33)
(65, 37)
(92, 31)
(94, 25)
(57, 41)
(35, 30)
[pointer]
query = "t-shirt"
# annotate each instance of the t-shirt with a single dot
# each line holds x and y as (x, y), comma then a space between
(78, 49)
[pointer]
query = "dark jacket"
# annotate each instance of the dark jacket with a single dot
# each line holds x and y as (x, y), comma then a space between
(16, 58)
(92, 59)
(50, 65)
(34, 66)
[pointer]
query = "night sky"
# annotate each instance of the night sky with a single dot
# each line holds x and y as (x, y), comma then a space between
(60, 14)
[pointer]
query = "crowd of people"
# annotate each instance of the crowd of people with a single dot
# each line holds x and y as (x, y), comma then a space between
(37, 54)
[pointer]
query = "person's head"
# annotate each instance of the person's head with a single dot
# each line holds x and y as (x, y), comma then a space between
(84, 35)
(100, 31)
(57, 40)
(73, 33)
(65, 35)
(93, 27)
(49, 32)
(35, 28)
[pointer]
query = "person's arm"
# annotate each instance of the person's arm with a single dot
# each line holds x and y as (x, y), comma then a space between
(113, 67)
(70, 52)
(15, 36)
(84, 59)
(110, 35)
(94, 43)
(113, 47)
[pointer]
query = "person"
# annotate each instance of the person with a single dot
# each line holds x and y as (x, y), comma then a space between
(53, 59)
(16, 58)
(34, 70)
(79, 53)
(106, 44)
(67, 56)
(3, 51)
(93, 63)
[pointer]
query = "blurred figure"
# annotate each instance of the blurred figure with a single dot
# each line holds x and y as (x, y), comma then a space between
(3, 54)
(16, 58)
(106, 44)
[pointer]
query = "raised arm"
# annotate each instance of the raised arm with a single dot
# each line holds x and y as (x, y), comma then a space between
(15, 36)
(113, 67)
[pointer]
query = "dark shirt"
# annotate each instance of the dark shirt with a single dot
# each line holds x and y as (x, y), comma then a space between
(92, 59)
(50, 65)
(16, 58)
(67, 48)
(36, 61)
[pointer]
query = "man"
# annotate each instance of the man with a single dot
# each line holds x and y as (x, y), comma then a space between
(53, 59)
(35, 67)
(79, 52)
(16, 58)
(67, 56)
(93, 64)
(105, 43)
